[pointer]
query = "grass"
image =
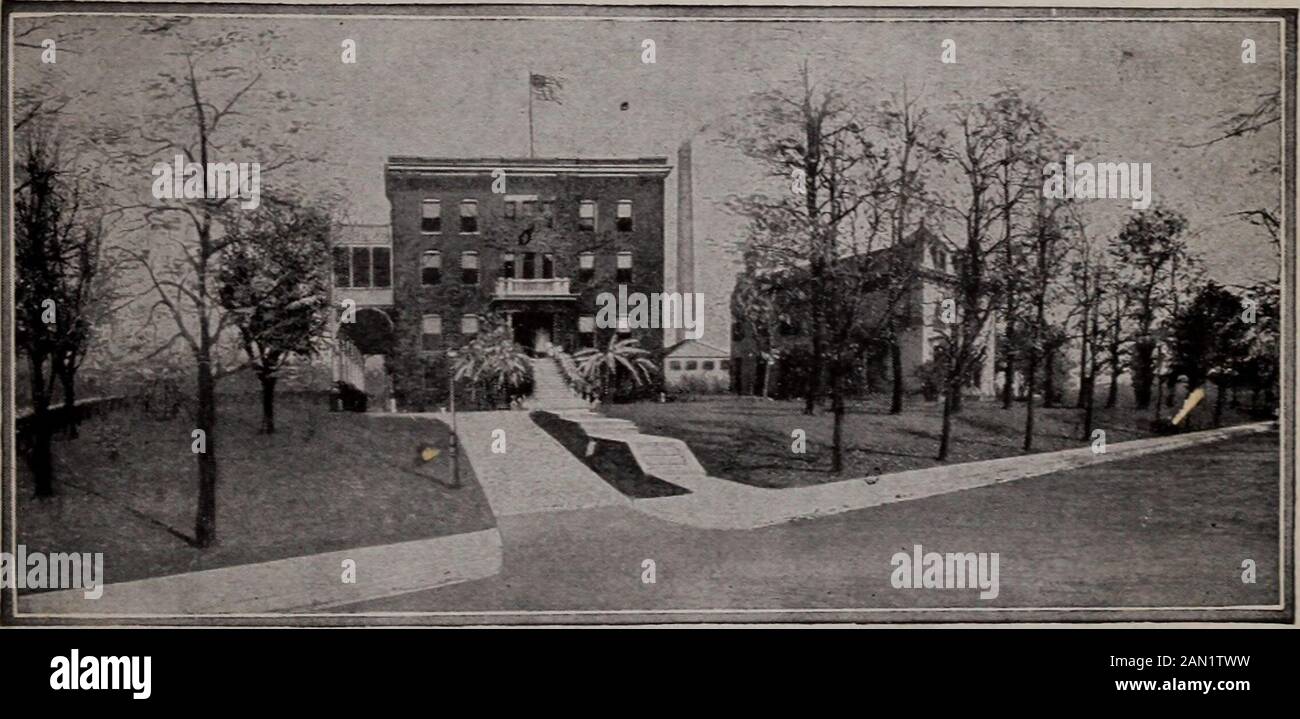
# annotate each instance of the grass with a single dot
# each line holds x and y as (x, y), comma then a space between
(324, 482)
(749, 440)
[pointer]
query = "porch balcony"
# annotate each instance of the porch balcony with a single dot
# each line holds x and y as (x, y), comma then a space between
(555, 288)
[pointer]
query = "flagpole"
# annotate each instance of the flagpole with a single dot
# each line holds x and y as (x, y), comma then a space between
(530, 115)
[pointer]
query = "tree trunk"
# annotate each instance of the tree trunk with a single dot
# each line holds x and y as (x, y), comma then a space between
(1159, 386)
(900, 386)
(68, 379)
(1009, 378)
(945, 436)
(268, 403)
(814, 386)
(1049, 382)
(837, 428)
(1220, 398)
(1143, 373)
(1088, 402)
(1083, 360)
(40, 458)
(1112, 394)
(205, 520)
(1031, 371)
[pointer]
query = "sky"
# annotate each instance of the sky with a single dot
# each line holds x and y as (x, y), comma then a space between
(1131, 91)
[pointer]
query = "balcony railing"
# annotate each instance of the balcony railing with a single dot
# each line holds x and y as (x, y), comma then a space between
(365, 296)
(509, 287)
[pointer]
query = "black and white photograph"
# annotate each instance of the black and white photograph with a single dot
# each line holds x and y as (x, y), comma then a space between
(593, 315)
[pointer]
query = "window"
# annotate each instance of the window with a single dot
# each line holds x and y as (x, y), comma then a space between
(469, 324)
(360, 266)
(724, 364)
(691, 364)
(382, 265)
(530, 265)
(342, 267)
(624, 328)
(624, 218)
(624, 268)
(468, 216)
(508, 265)
(431, 267)
(509, 213)
(587, 216)
(586, 266)
(548, 212)
(469, 268)
(548, 266)
(675, 364)
(430, 329)
(940, 258)
(587, 324)
(431, 216)
(363, 266)
(708, 364)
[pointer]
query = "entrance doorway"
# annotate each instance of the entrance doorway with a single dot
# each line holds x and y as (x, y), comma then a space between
(533, 331)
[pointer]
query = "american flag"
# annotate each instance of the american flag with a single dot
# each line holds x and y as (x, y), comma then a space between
(544, 87)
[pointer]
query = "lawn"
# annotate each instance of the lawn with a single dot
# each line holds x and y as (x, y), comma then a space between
(324, 482)
(749, 439)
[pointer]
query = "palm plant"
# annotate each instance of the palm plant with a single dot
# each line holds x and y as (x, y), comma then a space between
(505, 367)
(600, 366)
(493, 361)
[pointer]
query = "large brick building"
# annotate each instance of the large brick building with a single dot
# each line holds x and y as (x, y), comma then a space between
(753, 370)
(531, 242)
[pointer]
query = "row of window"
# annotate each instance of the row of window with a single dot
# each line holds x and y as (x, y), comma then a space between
(524, 265)
(431, 214)
(431, 329)
(693, 364)
(371, 266)
(365, 266)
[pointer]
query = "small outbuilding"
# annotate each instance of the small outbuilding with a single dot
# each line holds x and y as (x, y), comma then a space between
(696, 366)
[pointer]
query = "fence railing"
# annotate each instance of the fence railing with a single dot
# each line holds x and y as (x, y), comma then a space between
(61, 415)
(538, 287)
(570, 373)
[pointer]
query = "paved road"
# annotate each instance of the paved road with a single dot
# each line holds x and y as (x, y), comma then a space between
(1167, 530)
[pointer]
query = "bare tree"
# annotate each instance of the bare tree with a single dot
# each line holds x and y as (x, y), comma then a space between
(978, 156)
(816, 248)
(60, 290)
(215, 103)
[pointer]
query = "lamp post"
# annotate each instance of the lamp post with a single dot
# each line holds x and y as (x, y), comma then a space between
(453, 444)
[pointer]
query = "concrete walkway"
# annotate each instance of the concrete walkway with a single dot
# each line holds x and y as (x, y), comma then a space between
(721, 504)
(312, 582)
(533, 473)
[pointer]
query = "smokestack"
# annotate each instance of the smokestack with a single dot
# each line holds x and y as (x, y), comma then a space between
(685, 230)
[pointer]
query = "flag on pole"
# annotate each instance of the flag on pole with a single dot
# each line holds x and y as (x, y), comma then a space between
(544, 87)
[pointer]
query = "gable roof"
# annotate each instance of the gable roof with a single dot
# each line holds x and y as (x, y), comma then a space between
(695, 348)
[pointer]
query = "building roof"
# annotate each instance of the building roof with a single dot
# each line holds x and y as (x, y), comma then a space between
(604, 167)
(695, 348)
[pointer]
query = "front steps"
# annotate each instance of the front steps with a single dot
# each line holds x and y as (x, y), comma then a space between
(550, 393)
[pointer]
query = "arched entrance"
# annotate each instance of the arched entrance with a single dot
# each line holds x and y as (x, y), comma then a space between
(363, 345)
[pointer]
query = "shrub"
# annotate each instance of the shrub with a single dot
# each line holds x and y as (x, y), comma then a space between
(931, 376)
